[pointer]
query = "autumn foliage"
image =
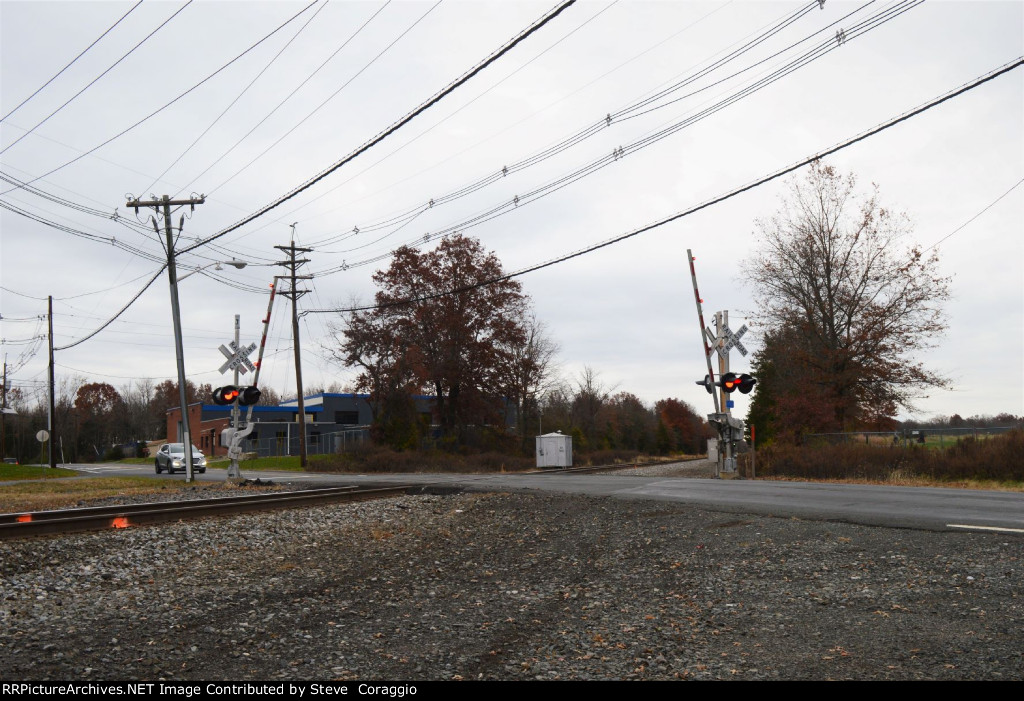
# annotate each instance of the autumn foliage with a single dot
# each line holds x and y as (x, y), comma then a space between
(848, 307)
(445, 323)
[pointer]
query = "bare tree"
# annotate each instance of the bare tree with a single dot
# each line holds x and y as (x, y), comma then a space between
(531, 374)
(849, 304)
(589, 397)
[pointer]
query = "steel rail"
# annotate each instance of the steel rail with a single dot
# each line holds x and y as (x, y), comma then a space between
(601, 468)
(21, 525)
(118, 509)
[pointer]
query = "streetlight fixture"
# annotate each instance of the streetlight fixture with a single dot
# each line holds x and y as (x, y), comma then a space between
(216, 266)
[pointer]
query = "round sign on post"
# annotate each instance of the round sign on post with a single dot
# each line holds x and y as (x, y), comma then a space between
(42, 436)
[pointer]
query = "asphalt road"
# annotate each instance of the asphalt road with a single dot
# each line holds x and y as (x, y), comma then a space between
(873, 505)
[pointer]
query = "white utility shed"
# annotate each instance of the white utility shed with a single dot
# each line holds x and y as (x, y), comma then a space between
(554, 450)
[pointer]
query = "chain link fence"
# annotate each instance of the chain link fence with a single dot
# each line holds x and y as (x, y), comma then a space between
(316, 443)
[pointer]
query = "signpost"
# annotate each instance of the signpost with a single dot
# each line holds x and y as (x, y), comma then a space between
(238, 361)
(42, 437)
(721, 341)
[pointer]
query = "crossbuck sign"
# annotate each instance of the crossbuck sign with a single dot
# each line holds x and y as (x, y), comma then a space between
(732, 340)
(238, 358)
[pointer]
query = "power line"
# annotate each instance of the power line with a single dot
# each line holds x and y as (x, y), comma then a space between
(91, 83)
(83, 52)
(237, 97)
(993, 204)
(174, 100)
(113, 241)
(280, 104)
(578, 137)
(331, 97)
(636, 232)
(129, 248)
(131, 377)
(394, 127)
(335, 237)
(507, 206)
(114, 318)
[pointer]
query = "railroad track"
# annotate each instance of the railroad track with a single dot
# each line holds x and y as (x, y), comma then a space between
(25, 524)
(602, 468)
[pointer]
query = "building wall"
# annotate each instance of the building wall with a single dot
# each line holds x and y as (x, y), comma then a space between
(205, 433)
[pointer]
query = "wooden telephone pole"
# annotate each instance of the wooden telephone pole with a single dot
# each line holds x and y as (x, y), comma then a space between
(166, 203)
(293, 264)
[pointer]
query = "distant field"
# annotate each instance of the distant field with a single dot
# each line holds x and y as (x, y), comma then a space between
(931, 440)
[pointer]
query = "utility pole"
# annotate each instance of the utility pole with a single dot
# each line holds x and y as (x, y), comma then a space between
(292, 264)
(3, 415)
(52, 409)
(166, 203)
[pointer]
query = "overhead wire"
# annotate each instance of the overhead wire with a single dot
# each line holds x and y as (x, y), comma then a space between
(238, 97)
(61, 71)
(173, 100)
(133, 377)
(332, 237)
(329, 98)
(470, 102)
(119, 313)
(578, 137)
(499, 174)
(94, 80)
(990, 206)
(522, 36)
(280, 104)
(1006, 68)
(26, 188)
(113, 241)
(157, 257)
(507, 206)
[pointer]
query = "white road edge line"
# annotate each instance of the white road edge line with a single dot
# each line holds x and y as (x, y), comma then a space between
(986, 528)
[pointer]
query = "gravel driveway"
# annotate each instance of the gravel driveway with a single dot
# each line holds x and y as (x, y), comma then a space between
(511, 586)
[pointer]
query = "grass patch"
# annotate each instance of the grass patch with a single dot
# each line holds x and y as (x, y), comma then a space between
(57, 494)
(902, 480)
(998, 460)
(33, 472)
(288, 463)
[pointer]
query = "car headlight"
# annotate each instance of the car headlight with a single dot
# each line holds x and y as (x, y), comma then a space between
(176, 463)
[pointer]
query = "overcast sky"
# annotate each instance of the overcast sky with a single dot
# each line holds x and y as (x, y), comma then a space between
(341, 72)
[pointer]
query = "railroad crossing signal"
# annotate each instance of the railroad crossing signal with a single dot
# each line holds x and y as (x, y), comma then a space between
(732, 382)
(229, 394)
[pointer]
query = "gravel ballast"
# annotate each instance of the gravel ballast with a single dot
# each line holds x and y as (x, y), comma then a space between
(511, 586)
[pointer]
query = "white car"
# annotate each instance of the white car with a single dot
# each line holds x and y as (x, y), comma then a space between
(171, 457)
